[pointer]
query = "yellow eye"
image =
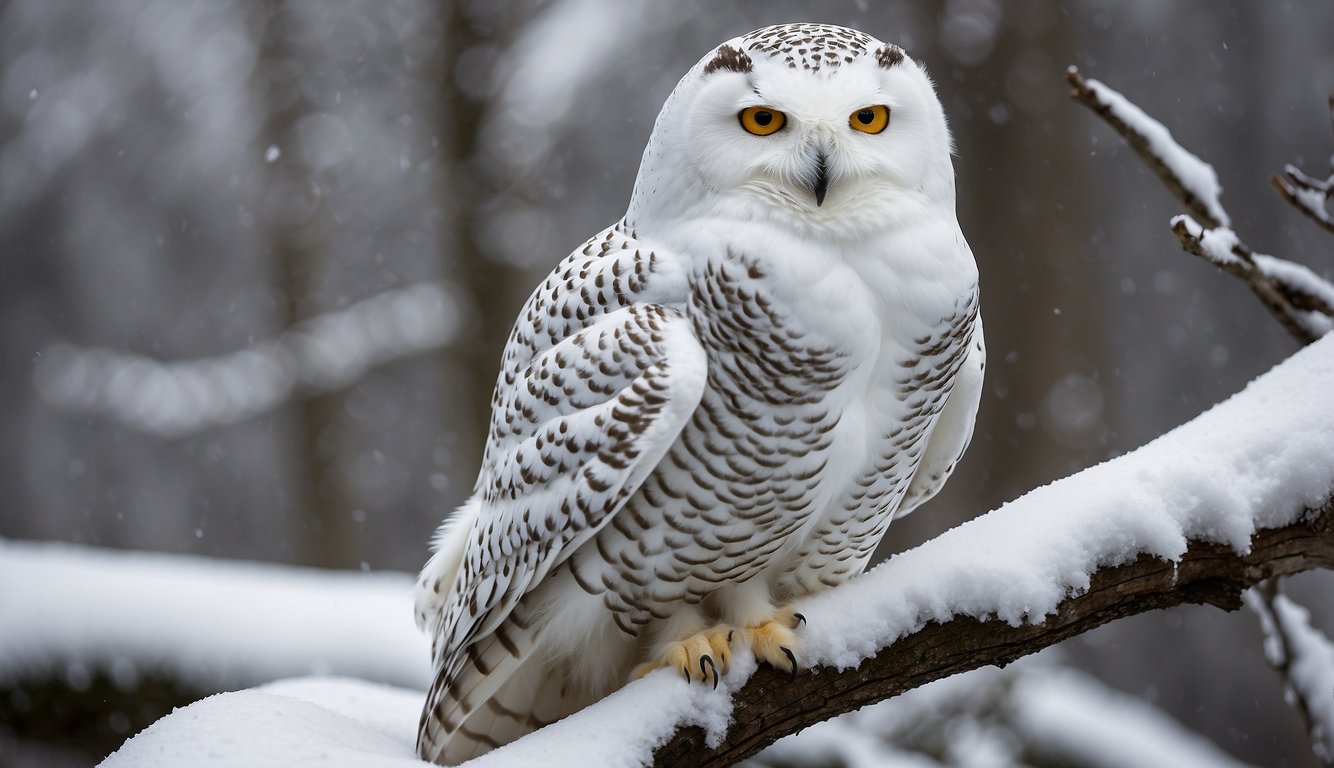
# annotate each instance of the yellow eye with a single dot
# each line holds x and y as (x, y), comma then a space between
(762, 121)
(870, 119)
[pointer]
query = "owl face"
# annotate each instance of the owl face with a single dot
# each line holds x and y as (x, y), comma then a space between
(806, 122)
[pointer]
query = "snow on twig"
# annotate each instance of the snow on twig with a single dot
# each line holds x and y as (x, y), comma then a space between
(322, 354)
(1304, 656)
(1297, 297)
(1301, 300)
(1308, 195)
(1193, 181)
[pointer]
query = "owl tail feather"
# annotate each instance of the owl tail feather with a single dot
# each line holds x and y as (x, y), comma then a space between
(492, 697)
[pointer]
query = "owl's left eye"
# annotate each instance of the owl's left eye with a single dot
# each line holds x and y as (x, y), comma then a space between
(870, 119)
(761, 121)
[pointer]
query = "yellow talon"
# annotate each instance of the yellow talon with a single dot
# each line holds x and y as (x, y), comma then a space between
(774, 642)
(704, 654)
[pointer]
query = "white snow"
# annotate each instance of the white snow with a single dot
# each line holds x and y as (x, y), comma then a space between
(339, 722)
(215, 624)
(1218, 244)
(1197, 176)
(1258, 460)
(1309, 657)
(1297, 276)
(321, 354)
(1311, 193)
(310, 721)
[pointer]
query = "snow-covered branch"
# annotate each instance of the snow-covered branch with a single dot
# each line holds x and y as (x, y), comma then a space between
(771, 705)
(1301, 300)
(1242, 493)
(1304, 657)
(1308, 195)
(1191, 180)
(322, 354)
(1297, 297)
(1235, 496)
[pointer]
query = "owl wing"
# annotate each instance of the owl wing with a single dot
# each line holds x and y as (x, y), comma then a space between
(599, 377)
(954, 429)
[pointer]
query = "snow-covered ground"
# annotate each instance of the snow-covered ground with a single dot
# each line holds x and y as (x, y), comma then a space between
(1257, 461)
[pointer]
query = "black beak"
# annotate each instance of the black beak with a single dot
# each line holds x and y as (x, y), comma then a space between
(821, 178)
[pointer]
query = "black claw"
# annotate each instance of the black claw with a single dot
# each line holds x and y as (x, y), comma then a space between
(729, 635)
(686, 671)
(800, 619)
(702, 660)
(790, 657)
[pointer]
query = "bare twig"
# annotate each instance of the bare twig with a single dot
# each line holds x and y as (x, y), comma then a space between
(772, 704)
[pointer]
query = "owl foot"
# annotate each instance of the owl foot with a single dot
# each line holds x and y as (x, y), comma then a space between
(774, 642)
(709, 652)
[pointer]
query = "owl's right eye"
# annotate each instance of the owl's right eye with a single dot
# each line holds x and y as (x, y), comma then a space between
(761, 121)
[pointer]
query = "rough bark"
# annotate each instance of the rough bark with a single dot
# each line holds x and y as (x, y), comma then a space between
(773, 705)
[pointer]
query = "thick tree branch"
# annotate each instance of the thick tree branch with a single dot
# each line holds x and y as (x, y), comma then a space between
(772, 704)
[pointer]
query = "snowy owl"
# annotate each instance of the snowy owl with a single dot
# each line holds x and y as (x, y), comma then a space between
(718, 404)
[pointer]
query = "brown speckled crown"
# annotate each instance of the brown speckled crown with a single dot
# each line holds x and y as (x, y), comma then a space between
(818, 46)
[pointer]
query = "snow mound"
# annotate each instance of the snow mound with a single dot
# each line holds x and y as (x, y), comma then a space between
(309, 721)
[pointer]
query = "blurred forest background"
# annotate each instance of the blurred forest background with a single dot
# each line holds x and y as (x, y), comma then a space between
(259, 259)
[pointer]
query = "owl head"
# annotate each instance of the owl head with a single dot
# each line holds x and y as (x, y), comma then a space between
(809, 124)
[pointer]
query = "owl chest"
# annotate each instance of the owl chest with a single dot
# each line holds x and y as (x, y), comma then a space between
(821, 393)
(792, 363)
(780, 338)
